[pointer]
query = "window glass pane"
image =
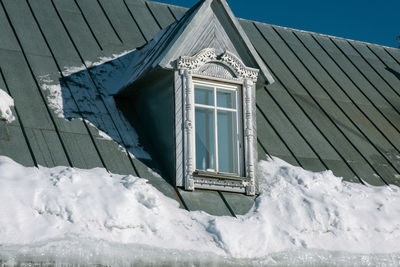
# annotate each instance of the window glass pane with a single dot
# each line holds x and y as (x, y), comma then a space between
(226, 99)
(227, 142)
(204, 95)
(205, 143)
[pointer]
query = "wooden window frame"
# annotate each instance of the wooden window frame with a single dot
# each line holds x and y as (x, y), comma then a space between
(238, 127)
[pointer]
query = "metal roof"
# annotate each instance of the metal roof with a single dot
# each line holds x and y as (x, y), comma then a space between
(335, 103)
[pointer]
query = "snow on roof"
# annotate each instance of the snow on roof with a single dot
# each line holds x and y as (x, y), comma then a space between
(116, 219)
(6, 102)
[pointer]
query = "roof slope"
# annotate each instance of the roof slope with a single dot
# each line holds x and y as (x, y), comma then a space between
(335, 103)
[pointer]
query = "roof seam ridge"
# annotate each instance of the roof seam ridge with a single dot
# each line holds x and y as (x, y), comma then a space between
(165, 4)
(294, 29)
(322, 34)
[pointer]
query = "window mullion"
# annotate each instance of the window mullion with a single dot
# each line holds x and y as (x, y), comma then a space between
(216, 130)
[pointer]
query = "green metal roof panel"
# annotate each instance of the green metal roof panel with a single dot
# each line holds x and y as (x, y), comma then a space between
(368, 71)
(289, 59)
(342, 145)
(115, 160)
(4, 87)
(8, 41)
(81, 150)
(24, 91)
(26, 29)
(146, 22)
(312, 164)
(284, 126)
(305, 126)
(12, 140)
(312, 66)
(342, 169)
(123, 23)
(369, 126)
(55, 33)
(208, 201)
(81, 35)
(143, 171)
(349, 129)
(47, 148)
(270, 139)
(177, 10)
(32, 111)
(53, 151)
(65, 5)
(98, 23)
(239, 204)
(363, 84)
(380, 67)
(391, 64)
(44, 70)
(13, 144)
(264, 49)
(394, 53)
(352, 90)
(161, 13)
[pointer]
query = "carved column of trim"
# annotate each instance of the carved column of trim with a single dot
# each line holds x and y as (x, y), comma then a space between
(249, 135)
(189, 135)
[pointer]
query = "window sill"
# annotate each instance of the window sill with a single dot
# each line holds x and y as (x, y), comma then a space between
(219, 175)
(229, 182)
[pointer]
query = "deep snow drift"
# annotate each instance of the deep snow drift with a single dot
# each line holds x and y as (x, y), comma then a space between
(91, 216)
(6, 102)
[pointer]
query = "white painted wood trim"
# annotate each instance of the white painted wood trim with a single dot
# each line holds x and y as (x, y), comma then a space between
(249, 135)
(187, 67)
(188, 128)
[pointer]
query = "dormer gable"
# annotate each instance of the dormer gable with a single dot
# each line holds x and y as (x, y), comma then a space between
(208, 24)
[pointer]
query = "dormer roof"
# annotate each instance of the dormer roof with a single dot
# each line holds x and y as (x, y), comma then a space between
(208, 24)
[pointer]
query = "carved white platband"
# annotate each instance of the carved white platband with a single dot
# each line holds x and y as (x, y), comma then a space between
(195, 62)
(192, 65)
(228, 59)
(239, 68)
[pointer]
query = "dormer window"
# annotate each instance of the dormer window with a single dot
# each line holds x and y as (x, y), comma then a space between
(190, 93)
(218, 128)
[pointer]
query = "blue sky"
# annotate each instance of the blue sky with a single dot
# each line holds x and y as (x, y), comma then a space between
(374, 21)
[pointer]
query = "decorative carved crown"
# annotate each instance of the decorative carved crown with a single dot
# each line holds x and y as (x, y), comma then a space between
(195, 62)
(229, 59)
